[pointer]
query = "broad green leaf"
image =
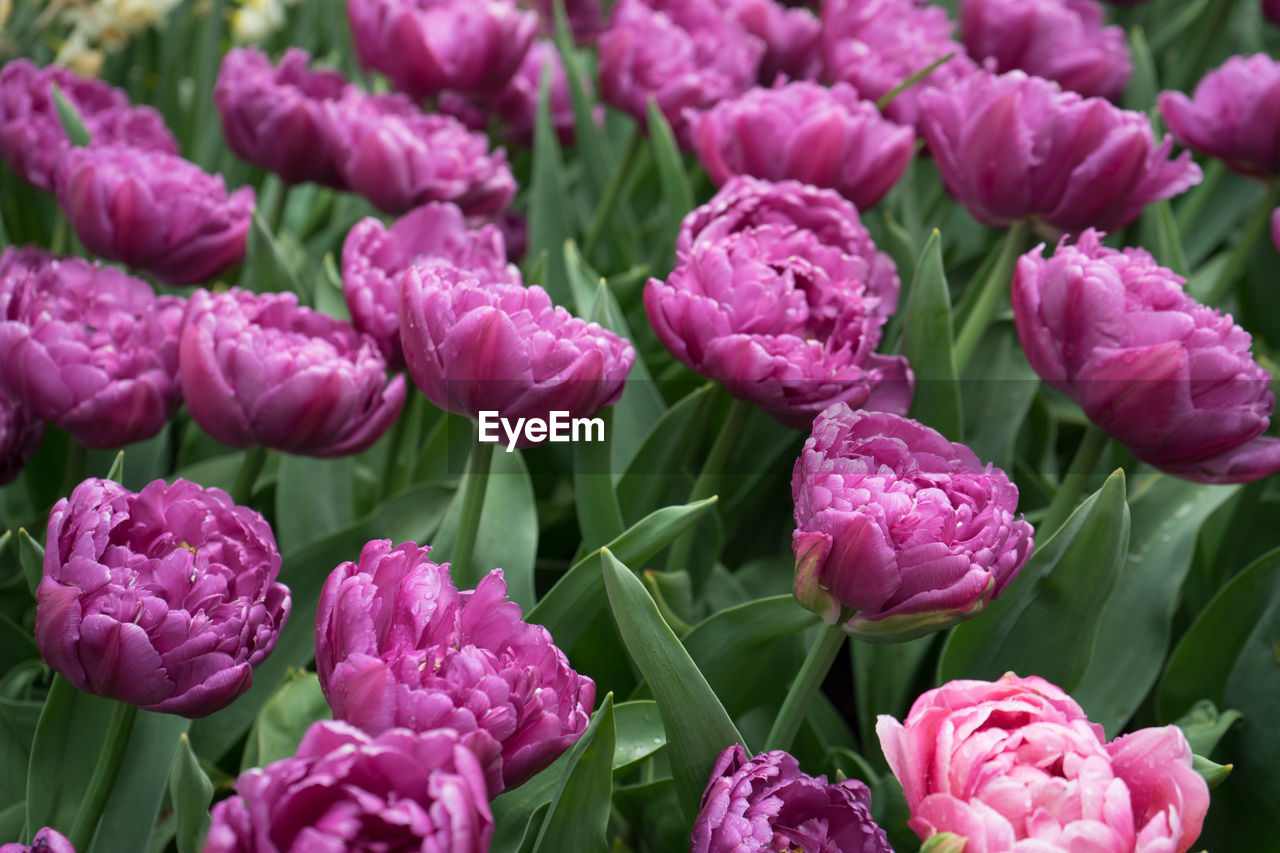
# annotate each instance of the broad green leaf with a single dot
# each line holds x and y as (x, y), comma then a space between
(190, 792)
(1214, 774)
(1160, 232)
(295, 705)
(267, 268)
(1138, 614)
(31, 558)
(69, 117)
(886, 678)
(672, 174)
(639, 733)
(12, 819)
(132, 808)
(568, 607)
(998, 390)
(655, 467)
(588, 141)
(516, 812)
(928, 345)
(1204, 726)
(579, 813)
(550, 222)
(698, 729)
(1046, 623)
(599, 517)
(16, 644)
(67, 744)
(116, 472)
(1144, 86)
(313, 499)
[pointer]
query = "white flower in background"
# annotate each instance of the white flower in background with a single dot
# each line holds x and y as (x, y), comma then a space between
(105, 24)
(257, 19)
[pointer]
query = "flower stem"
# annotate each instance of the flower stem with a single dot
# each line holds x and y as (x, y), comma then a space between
(612, 194)
(73, 471)
(994, 287)
(254, 458)
(104, 775)
(812, 673)
(473, 488)
(914, 78)
(1240, 252)
(1092, 443)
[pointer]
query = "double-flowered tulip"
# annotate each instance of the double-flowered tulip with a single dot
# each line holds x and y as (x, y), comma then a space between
(374, 258)
(47, 840)
(898, 531)
(1011, 147)
(87, 348)
(1016, 765)
(780, 294)
(1234, 115)
(428, 46)
(801, 131)
(32, 139)
(154, 211)
(1060, 40)
(165, 598)
(398, 645)
(474, 345)
(258, 369)
(1172, 380)
(345, 790)
(767, 803)
(20, 435)
(791, 38)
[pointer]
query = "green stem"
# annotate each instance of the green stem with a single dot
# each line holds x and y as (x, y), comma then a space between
(104, 775)
(612, 194)
(73, 473)
(250, 467)
(391, 468)
(1092, 443)
(473, 488)
(1239, 256)
(993, 288)
(887, 97)
(812, 673)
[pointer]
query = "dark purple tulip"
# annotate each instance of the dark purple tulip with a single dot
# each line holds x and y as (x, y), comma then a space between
(32, 140)
(399, 158)
(473, 346)
(20, 435)
(166, 599)
(585, 17)
(1060, 40)
(276, 118)
(47, 840)
(786, 317)
(1170, 379)
(258, 369)
(429, 46)
(374, 257)
(1234, 115)
(87, 348)
(684, 55)
(766, 803)
(515, 231)
(902, 530)
(344, 790)
(154, 211)
(876, 45)
(792, 38)
(1271, 11)
(801, 131)
(397, 645)
(1011, 147)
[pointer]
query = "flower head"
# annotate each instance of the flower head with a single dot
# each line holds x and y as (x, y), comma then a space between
(47, 840)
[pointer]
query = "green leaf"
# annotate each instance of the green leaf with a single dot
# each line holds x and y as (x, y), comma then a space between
(1138, 614)
(69, 117)
(31, 558)
(1204, 726)
(568, 607)
(267, 268)
(588, 141)
(579, 813)
(999, 389)
(133, 806)
(698, 729)
(1047, 621)
(1159, 230)
(191, 792)
(639, 733)
(655, 467)
(550, 221)
(290, 711)
(1144, 86)
(672, 174)
(518, 813)
(313, 499)
(928, 345)
(886, 677)
(599, 517)
(68, 741)
(1214, 774)
(945, 842)
(116, 472)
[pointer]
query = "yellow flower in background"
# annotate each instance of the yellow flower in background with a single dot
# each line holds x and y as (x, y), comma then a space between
(6, 9)
(254, 20)
(105, 25)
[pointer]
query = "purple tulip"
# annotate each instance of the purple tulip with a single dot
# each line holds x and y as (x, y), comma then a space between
(1271, 11)
(344, 790)
(88, 348)
(1170, 379)
(276, 118)
(1012, 146)
(398, 645)
(766, 803)
(258, 369)
(399, 158)
(898, 531)
(514, 226)
(1060, 40)
(154, 211)
(684, 55)
(782, 315)
(792, 38)
(32, 140)
(375, 257)
(876, 45)
(1234, 115)
(166, 599)
(20, 435)
(47, 840)
(801, 131)
(474, 346)
(428, 46)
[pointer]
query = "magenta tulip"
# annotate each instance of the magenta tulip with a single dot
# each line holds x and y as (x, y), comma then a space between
(1170, 379)
(47, 840)
(166, 599)
(792, 38)
(20, 435)
(1016, 765)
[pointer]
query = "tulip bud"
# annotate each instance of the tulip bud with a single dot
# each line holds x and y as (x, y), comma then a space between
(47, 840)
(900, 525)
(260, 369)
(86, 347)
(166, 599)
